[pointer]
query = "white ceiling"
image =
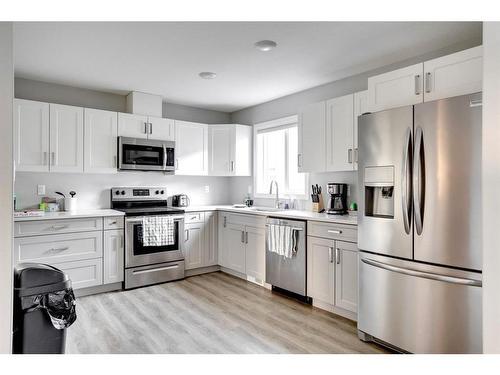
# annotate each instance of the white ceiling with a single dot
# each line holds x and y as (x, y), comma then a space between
(165, 58)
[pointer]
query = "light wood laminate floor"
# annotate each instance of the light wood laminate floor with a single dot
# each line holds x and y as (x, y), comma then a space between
(211, 313)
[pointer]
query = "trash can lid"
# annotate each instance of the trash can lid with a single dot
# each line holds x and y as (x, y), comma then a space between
(42, 277)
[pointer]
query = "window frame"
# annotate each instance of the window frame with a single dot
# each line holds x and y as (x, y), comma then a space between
(284, 122)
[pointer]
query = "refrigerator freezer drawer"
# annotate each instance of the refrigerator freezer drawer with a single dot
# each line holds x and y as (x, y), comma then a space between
(420, 308)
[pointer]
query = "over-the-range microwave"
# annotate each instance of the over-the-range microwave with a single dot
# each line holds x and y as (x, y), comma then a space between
(137, 154)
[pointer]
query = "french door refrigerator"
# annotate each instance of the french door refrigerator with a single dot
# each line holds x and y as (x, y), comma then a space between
(419, 225)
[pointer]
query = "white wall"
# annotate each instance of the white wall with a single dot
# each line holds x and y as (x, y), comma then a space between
(93, 190)
(6, 95)
(491, 188)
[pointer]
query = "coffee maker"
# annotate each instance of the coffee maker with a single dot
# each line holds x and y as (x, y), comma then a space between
(337, 204)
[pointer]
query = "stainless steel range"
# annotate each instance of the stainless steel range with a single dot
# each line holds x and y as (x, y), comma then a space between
(146, 265)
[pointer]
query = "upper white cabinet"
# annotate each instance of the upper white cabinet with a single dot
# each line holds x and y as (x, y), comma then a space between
(312, 124)
(147, 127)
(191, 148)
(134, 126)
(100, 135)
(66, 138)
(31, 135)
(161, 128)
(340, 133)
(229, 149)
(360, 107)
(453, 75)
(396, 89)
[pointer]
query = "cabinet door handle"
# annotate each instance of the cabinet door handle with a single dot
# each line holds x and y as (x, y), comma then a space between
(417, 84)
(428, 82)
(53, 156)
(243, 236)
(330, 254)
(225, 221)
(349, 156)
(356, 155)
(145, 128)
(44, 157)
(246, 237)
(335, 231)
(299, 164)
(186, 237)
(337, 255)
(150, 128)
(232, 166)
(115, 160)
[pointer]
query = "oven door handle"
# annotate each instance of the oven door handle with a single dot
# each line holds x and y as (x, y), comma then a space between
(139, 219)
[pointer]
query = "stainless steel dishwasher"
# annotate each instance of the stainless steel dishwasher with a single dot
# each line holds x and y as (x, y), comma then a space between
(288, 274)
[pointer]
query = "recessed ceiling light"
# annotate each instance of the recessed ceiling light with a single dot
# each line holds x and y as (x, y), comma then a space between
(208, 75)
(265, 45)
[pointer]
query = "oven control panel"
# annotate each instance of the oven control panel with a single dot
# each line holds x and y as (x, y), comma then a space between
(139, 193)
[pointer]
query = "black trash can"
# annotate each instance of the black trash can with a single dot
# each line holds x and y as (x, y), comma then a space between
(44, 306)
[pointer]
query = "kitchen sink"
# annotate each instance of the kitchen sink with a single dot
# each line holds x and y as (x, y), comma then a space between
(266, 209)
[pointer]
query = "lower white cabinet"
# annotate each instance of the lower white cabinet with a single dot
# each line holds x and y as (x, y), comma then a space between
(346, 275)
(89, 250)
(113, 259)
(255, 252)
(194, 243)
(242, 244)
(200, 240)
(332, 275)
(83, 273)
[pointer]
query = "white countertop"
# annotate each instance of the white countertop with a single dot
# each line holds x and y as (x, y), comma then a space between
(72, 215)
(289, 214)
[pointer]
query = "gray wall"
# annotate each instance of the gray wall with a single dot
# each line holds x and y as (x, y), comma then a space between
(6, 95)
(290, 105)
(93, 189)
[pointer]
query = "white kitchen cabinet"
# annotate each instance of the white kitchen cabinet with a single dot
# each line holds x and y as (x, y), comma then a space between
(229, 150)
(100, 141)
(210, 250)
(162, 129)
(453, 75)
(194, 243)
(340, 133)
(31, 135)
(312, 145)
(320, 269)
(131, 125)
(346, 276)
(360, 107)
(396, 88)
(113, 259)
(235, 247)
(255, 252)
(66, 138)
(191, 148)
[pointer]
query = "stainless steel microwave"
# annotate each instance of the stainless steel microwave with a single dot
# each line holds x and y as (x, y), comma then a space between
(138, 154)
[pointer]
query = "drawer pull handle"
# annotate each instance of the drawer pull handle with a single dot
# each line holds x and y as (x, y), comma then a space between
(57, 227)
(334, 231)
(194, 217)
(58, 249)
(113, 222)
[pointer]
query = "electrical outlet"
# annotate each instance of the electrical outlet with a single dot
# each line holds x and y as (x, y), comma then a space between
(249, 189)
(207, 188)
(40, 189)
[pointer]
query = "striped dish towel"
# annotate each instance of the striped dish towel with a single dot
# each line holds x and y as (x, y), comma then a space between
(158, 230)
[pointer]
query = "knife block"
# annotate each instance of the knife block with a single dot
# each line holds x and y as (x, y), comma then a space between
(318, 207)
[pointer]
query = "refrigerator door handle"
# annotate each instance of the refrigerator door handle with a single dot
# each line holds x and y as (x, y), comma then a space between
(425, 275)
(405, 183)
(419, 180)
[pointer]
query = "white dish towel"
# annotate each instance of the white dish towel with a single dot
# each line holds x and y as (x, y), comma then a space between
(158, 230)
(282, 240)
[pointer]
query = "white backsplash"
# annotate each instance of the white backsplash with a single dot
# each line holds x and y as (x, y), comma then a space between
(93, 190)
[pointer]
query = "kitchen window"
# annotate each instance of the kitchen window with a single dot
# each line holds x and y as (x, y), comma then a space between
(275, 158)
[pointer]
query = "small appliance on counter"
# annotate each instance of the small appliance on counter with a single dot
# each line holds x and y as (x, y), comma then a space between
(180, 200)
(337, 203)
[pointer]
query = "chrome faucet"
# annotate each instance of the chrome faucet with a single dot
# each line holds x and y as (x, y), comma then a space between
(277, 199)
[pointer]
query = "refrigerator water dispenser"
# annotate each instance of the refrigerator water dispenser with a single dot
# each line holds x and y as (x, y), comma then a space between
(379, 192)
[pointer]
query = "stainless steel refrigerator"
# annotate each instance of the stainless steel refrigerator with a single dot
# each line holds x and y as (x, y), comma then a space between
(420, 226)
